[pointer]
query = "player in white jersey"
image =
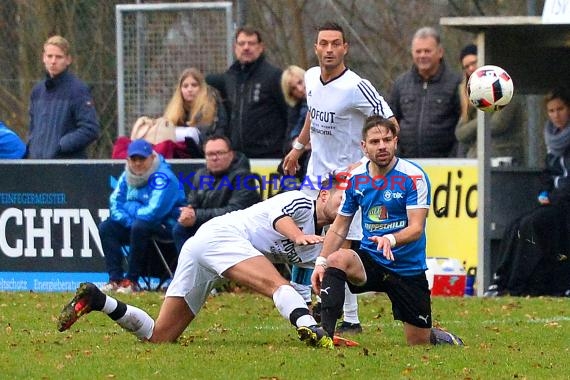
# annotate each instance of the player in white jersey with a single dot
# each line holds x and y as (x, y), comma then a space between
(337, 110)
(339, 101)
(239, 246)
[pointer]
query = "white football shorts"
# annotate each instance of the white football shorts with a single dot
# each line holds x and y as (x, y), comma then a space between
(204, 257)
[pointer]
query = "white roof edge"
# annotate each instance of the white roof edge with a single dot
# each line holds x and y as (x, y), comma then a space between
(484, 21)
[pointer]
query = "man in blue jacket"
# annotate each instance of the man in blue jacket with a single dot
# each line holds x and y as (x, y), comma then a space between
(63, 120)
(144, 204)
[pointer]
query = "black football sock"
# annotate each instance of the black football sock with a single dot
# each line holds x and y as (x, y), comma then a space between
(332, 298)
(119, 312)
(114, 308)
(97, 301)
(296, 314)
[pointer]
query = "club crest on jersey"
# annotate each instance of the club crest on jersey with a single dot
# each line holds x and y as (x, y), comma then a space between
(378, 213)
(389, 194)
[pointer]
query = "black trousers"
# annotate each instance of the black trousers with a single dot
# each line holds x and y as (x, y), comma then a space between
(535, 253)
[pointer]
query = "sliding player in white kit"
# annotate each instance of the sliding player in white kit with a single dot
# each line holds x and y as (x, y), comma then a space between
(339, 101)
(239, 246)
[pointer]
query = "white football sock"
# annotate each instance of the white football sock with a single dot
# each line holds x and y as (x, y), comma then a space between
(306, 320)
(137, 321)
(110, 305)
(350, 308)
(286, 300)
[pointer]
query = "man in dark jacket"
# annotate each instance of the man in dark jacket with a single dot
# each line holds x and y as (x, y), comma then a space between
(251, 89)
(226, 184)
(425, 101)
(63, 120)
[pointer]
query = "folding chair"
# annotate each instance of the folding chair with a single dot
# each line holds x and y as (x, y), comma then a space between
(160, 264)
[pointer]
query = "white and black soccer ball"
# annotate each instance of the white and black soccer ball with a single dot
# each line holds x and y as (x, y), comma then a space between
(490, 88)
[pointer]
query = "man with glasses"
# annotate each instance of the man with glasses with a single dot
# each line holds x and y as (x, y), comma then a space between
(225, 184)
(251, 89)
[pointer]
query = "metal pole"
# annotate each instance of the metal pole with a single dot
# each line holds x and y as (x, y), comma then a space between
(531, 7)
(242, 12)
(120, 73)
(483, 188)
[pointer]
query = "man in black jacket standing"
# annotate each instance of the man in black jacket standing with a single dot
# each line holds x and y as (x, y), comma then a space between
(225, 184)
(251, 88)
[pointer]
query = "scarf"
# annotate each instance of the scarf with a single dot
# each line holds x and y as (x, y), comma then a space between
(557, 140)
(141, 180)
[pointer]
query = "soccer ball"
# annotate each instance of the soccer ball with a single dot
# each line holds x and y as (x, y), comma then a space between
(490, 88)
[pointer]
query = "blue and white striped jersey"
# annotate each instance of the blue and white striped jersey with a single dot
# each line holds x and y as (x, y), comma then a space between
(384, 201)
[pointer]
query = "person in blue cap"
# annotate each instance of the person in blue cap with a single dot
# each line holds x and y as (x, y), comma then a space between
(144, 204)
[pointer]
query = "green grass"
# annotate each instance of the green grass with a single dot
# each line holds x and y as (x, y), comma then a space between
(241, 336)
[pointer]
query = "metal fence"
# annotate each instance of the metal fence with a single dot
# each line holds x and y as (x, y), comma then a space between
(156, 42)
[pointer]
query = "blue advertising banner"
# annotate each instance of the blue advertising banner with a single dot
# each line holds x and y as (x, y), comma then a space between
(49, 213)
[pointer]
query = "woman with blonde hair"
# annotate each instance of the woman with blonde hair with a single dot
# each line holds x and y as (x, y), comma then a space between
(293, 87)
(195, 109)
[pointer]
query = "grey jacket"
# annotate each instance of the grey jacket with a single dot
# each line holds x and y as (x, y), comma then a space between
(427, 112)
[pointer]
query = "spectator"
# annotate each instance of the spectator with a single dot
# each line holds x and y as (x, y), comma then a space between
(425, 101)
(293, 87)
(251, 89)
(225, 184)
(63, 120)
(144, 204)
(196, 110)
(11, 145)
(535, 250)
(506, 125)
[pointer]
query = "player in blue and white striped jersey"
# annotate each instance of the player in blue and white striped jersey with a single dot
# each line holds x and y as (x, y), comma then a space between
(394, 197)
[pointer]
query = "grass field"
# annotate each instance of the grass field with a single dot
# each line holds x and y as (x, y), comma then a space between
(241, 336)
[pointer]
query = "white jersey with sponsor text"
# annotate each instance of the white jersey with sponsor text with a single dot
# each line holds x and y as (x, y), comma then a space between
(257, 224)
(337, 110)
